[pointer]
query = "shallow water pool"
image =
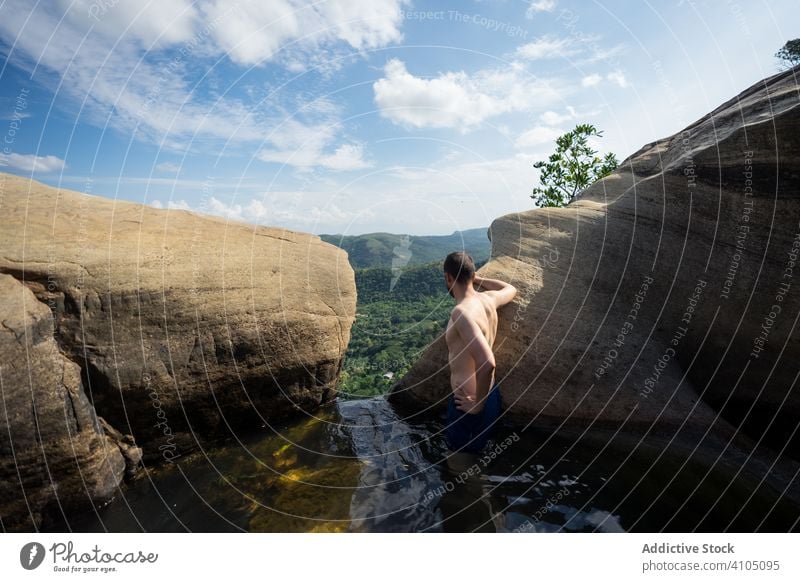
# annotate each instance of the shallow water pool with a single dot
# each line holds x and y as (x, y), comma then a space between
(356, 466)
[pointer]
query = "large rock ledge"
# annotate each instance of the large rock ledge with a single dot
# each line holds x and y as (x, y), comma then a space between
(131, 334)
(646, 307)
(52, 444)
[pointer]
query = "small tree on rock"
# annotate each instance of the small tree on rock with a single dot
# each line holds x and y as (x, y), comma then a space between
(790, 52)
(573, 167)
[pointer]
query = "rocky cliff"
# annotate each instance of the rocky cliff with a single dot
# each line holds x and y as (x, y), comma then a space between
(663, 304)
(133, 333)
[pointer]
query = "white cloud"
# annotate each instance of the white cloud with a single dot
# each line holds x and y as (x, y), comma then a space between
(287, 209)
(168, 168)
(230, 211)
(113, 79)
(617, 77)
(553, 128)
(33, 163)
(259, 31)
(582, 49)
(151, 24)
(308, 146)
(451, 100)
(455, 99)
(298, 144)
(537, 136)
(598, 53)
(15, 116)
(346, 157)
(591, 80)
(171, 204)
(553, 118)
(547, 47)
(111, 58)
(178, 205)
(464, 194)
(539, 6)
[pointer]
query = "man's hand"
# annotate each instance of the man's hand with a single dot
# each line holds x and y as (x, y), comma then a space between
(480, 283)
(500, 291)
(467, 402)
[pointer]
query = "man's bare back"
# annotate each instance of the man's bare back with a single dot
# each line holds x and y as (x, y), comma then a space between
(470, 338)
(481, 310)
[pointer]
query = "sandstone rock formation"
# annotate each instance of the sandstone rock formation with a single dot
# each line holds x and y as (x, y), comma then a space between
(129, 331)
(52, 446)
(664, 302)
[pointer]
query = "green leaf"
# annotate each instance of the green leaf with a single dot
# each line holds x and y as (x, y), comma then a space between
(572, 168)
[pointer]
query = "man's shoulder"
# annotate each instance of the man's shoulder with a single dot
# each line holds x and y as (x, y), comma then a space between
(471, 311)
(458, 312)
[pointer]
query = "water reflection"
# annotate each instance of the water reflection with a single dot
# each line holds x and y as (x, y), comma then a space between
(357, 466)
(465, 503)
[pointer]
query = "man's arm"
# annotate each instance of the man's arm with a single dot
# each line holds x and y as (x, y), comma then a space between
(500, 291)
(481, 352)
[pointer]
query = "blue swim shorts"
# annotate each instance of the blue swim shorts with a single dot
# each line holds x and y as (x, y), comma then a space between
(469, 432)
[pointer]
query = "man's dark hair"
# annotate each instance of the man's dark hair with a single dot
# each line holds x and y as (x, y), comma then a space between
(461, 266)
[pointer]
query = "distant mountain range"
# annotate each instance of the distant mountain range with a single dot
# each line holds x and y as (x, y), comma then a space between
(386, 250)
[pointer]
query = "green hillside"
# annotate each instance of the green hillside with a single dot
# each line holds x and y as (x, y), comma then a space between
(394, 323)
(398, 314)
(383, 249)
(402, 301)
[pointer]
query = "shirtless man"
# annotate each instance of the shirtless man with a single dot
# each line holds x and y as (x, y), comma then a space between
(472, 408)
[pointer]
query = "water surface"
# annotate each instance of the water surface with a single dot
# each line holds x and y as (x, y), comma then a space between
(356, 466)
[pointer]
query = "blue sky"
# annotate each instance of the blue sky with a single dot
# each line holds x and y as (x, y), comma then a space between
(353, 116)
